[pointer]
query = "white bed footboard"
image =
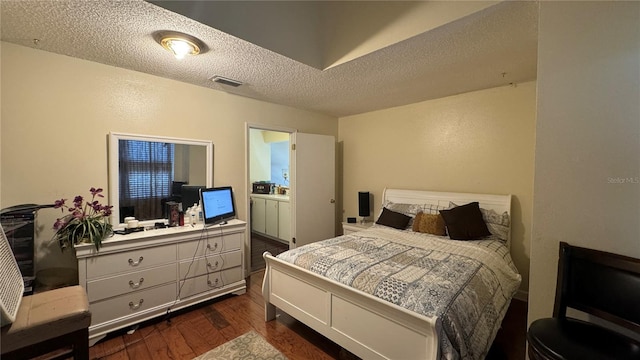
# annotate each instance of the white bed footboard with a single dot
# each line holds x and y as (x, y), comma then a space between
(364, 325)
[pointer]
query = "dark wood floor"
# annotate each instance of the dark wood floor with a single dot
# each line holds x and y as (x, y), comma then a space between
(190, 333)
(260, 244)
(510, 342)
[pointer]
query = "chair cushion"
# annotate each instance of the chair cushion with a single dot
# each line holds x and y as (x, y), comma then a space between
(45, 315)
(576, 339)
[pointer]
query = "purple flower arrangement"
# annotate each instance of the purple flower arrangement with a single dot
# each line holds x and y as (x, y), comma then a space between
(85, 221)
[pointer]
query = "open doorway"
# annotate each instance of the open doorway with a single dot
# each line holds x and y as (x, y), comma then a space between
(269, 193)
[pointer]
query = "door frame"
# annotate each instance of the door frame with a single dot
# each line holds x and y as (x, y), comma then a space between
(248, 186)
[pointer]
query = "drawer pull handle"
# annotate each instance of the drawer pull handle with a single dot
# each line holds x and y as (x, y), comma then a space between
(135, 285)
(215, 246)
(214, 283)
(135, 306)
(214, 266)
(135, 263)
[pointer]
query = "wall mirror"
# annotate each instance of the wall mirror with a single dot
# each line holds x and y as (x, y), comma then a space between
(147, 172)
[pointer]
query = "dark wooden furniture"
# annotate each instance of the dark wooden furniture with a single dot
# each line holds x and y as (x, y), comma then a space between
(49, 321)
(46, 321)
(603, 285)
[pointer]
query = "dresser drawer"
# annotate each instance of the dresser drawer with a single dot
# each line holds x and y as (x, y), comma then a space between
(132, 303)
(210, 264)
(213, 245)
(210, 282)
(132, 260)
(134, 281)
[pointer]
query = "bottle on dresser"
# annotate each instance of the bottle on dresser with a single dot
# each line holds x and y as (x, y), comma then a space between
(199, 214)
(192, 214)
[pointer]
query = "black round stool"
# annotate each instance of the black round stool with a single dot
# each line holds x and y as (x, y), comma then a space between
(567, 339)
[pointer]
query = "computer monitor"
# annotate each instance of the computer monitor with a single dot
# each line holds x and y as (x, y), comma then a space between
(190, 195)
(218, 205)
(176, 187)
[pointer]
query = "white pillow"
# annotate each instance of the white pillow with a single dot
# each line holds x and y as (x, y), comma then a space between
(432, 209)
(408, 209)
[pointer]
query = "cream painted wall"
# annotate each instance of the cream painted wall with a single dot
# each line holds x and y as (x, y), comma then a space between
(198, 155)
(181, 162)
(353, 30)
(481, 142)
(274, 136)
(260, 152)
(260, 156)
(1, 112)
(587, 171)
(57, 112)
(185, 155)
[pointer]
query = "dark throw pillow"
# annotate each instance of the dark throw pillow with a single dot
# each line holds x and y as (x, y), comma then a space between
(393, 219)
(465, 222)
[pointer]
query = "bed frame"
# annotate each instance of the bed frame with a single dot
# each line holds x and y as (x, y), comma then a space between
(351, 318)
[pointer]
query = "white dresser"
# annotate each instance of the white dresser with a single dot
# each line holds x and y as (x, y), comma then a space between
(139, 276)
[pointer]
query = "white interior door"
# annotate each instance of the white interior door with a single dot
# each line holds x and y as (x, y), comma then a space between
(312, 173)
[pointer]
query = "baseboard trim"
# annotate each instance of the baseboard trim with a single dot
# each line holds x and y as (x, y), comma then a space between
(522, 295)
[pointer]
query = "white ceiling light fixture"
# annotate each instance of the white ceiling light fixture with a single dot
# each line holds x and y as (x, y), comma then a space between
(180, 44)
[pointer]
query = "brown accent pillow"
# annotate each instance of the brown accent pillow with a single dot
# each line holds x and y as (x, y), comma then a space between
(465, 222)
(393, 219)
(430, 224)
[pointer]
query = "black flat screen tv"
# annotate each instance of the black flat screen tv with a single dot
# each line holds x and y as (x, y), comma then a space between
(218, 205)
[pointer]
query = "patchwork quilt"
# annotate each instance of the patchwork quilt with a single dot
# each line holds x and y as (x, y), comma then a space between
(466, 285)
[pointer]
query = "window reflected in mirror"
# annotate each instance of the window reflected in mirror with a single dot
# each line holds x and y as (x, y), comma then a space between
(148, 174)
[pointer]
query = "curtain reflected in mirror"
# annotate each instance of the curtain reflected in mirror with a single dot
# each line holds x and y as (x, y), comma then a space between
(146, 177)
(148, 172)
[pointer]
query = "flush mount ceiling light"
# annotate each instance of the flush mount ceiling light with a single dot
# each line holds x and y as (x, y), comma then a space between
(180, 44)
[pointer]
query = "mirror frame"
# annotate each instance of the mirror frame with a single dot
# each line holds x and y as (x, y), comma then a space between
(114, 173)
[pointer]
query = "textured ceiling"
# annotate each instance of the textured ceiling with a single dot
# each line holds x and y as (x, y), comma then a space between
(492, 47)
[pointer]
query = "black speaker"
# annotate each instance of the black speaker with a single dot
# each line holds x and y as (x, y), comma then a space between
(364, 205)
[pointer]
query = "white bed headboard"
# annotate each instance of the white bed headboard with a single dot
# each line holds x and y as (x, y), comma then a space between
(498, 203)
